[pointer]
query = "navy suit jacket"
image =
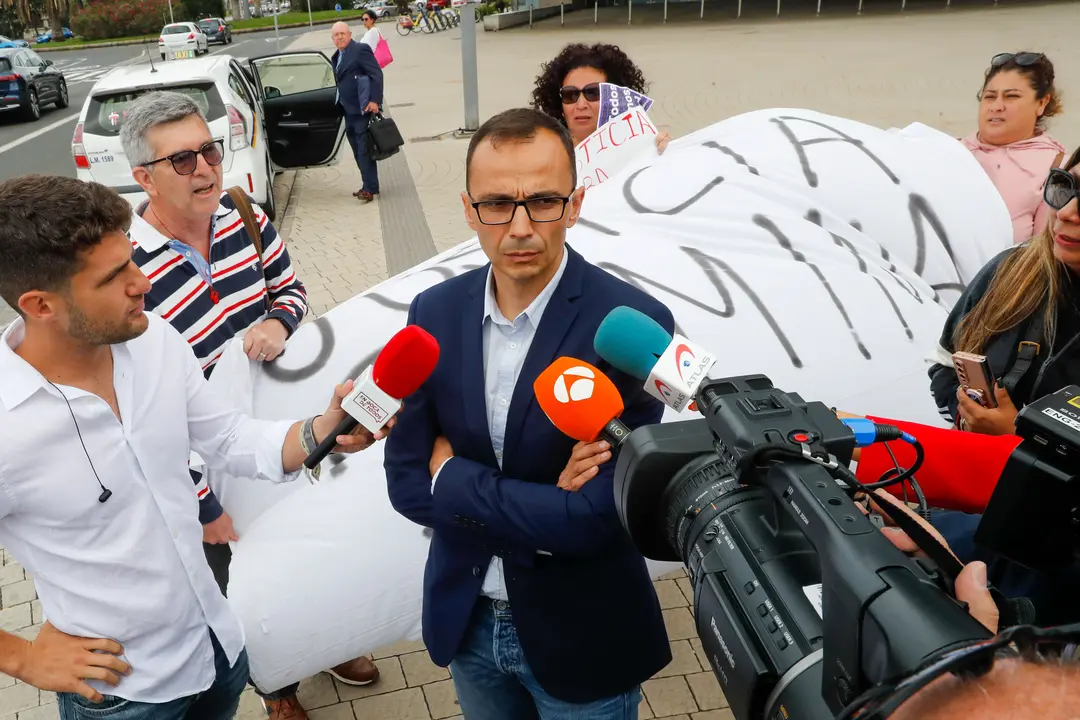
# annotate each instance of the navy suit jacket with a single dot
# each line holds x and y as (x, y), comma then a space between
(358, 75)
(586, 615)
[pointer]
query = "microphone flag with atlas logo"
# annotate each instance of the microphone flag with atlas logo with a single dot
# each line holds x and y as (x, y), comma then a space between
(582, 402)
(672, 368)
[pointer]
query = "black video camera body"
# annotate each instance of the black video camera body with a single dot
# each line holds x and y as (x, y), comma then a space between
(801, 603)
(1033, 517)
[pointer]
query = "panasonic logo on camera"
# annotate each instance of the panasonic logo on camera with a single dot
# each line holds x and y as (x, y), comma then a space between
(723, 645)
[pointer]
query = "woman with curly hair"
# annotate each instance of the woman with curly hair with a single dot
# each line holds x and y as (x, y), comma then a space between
(1012, 145)
(568, 88)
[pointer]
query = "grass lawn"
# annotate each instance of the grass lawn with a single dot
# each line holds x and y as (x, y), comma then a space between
(79, 42)
(297, 17)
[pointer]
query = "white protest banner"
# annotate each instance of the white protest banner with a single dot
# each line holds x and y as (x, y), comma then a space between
(760, 265)
(614, 145)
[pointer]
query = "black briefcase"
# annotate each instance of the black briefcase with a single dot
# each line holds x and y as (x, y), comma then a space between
(385, 137)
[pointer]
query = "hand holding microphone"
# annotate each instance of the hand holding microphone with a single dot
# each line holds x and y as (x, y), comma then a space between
(584, 404)
(402, 366)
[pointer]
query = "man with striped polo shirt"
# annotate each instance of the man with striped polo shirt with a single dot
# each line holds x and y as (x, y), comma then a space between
(210, 283)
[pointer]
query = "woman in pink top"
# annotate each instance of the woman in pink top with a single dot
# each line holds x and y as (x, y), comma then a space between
(1017, 97)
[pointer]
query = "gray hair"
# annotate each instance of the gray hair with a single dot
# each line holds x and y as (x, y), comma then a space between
(147, 112)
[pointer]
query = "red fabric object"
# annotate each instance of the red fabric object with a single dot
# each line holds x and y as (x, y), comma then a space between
(960, 469)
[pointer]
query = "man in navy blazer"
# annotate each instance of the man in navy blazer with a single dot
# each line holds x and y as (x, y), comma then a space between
(533, 595)
(360, 93)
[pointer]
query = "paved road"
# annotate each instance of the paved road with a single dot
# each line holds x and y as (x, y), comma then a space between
(45, 145)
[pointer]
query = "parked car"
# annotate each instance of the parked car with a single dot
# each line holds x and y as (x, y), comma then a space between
(6, 42)
(381, 8)
(47, 35)
(276, 112)
(182, 40)
(27, 82)
(216, 30)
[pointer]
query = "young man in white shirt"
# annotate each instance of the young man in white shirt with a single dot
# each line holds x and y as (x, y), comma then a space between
(100, 406)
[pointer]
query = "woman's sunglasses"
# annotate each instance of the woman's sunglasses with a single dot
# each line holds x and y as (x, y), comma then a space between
(185, 161)
(1023, 59)
(570, 94)
(1060, 188)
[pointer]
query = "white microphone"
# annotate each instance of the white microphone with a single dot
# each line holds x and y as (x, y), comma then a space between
(678, 372)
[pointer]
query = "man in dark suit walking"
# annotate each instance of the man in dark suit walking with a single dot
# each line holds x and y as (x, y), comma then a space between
(533, 595)
(360, 93)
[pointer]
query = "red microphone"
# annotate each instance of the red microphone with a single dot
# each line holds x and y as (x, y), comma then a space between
(581, 401)
(960, 469)
(402, 366)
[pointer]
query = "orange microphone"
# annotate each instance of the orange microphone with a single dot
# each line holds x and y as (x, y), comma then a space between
(581, 401)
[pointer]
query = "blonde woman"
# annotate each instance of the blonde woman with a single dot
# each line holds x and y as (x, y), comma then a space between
(1022, 312)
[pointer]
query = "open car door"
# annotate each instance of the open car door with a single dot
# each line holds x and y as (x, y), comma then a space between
(298, 92)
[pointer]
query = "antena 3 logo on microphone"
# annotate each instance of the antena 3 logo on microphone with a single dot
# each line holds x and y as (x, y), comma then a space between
(577, 397)
(678, 372)
(575, 384)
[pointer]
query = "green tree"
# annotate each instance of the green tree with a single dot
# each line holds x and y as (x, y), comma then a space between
(11, 25)
(57, 11)
(196, 9)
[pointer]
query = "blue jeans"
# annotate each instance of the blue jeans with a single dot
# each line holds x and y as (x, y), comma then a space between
(218, 702)
(494, 682)
(357, 132)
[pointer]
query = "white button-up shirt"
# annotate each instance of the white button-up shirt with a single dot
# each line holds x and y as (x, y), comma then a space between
(131, 569)
(506, 344)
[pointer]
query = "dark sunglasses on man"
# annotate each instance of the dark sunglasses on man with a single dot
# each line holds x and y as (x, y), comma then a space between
(570, 94)
(1024, 59)
(185, 161)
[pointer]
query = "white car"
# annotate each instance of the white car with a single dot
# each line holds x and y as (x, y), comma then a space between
(182, 40)
(381, 8)
(273, 113)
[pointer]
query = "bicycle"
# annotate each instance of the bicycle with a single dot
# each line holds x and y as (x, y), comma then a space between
(407, 24)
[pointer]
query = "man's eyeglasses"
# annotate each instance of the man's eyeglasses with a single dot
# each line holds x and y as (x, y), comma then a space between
(1060, 188)
(185, 161)
(969, 661)
(570, 94)
(1024, 59)
(501, 212)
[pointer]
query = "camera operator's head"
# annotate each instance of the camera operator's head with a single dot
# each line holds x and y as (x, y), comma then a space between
(65, 261)
(1015, 689)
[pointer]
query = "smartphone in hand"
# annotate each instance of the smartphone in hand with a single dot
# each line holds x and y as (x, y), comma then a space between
(975, 376)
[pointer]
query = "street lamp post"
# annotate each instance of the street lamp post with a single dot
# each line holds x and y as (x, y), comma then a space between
(468, 68)
(277, 34)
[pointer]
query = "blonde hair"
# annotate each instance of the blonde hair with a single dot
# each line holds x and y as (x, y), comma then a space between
(1029, 278)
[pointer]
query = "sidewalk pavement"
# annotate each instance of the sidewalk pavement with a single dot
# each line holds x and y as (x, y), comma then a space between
(888, 69)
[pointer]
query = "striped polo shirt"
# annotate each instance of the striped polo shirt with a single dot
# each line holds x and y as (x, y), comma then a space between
(211, 303)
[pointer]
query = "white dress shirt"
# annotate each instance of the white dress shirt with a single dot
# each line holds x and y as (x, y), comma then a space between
(132, 568)
(506, 344)
(371, 38)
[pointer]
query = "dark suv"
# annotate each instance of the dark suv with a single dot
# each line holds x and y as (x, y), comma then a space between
(27, 82)
(216, 30)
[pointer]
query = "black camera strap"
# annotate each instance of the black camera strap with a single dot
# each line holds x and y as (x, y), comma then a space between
(1012, 611)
